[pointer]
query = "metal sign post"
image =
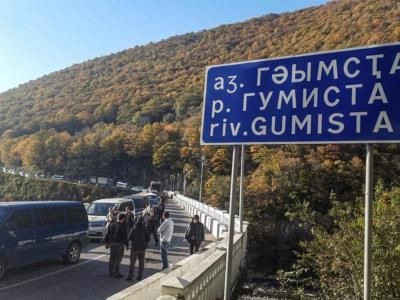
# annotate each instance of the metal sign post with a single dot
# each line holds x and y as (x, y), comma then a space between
(241, 193)
(369, 161)
(231, 229)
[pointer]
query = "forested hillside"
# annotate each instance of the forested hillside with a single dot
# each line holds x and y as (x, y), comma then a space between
(116, 112)
(136, 114)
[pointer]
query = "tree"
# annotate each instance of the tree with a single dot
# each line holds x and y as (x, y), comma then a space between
(187, 105)
(220, 162)
(336, 258)
(166, 158)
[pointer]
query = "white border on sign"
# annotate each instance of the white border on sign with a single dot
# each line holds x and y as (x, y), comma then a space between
(285, 57)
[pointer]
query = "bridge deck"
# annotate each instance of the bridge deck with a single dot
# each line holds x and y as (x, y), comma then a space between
(88, 279)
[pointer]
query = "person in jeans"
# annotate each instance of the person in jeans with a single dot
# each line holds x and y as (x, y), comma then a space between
(116, 238)
(140, 239)
(165, 231)
(195, 234)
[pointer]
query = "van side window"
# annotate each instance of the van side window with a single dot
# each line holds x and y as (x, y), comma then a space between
(75, 215)
(49, 216)
(21, 219)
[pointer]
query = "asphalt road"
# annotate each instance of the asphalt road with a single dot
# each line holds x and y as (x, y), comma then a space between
(88, 279)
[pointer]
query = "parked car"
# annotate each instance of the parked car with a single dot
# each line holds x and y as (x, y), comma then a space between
(101, 180)
(154, 199)
(41, 230)
(57, 177)
(156, 186)
(135, 190)
(123, 185)
(141, 201)
(97, 213)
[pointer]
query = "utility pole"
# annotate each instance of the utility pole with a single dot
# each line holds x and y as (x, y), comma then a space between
(203, 159)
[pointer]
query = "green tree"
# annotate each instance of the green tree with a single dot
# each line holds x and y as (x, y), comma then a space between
(167, 158)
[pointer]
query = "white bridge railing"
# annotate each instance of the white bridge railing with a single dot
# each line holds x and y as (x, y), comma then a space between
(201, 275)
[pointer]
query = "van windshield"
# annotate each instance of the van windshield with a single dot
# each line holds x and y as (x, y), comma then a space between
(3, 214)
(154, 202)
(139, 203)
(99, 209)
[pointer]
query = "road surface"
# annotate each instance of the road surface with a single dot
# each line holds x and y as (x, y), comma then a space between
(89, 278)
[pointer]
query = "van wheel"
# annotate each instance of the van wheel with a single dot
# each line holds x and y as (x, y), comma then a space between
(2, 267)
(73, 253)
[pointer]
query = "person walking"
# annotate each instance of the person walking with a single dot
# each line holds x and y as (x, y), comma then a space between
(139, 238)
(161, 209)
(109, 217)
(165, 231)
(129, 218)
(116, 238)
(112, 215)
(194, 234)
(164, 198)
(152, 226)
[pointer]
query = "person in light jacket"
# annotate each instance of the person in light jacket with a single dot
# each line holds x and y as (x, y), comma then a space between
(165, 231)
(195, 234)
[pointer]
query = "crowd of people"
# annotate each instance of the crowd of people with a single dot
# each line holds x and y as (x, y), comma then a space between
(126, 233)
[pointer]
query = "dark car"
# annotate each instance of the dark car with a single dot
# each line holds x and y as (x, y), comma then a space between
(41, 230)
(141, 202)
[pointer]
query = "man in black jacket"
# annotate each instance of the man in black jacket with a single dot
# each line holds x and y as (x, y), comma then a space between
(195, 234)
(161, 209)
(152, 225)
(116, 239)
(129, 218)
(140, 238)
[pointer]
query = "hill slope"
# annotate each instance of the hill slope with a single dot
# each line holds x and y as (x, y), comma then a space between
(118, 87)
(110, 115)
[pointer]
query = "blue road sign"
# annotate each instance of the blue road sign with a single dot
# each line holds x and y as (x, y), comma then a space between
(344, 96)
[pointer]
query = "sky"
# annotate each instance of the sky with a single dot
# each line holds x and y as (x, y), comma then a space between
(41, 36)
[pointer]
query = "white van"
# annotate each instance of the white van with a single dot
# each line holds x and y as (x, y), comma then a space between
(97, 213)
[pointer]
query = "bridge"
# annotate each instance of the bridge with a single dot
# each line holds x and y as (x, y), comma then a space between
(197, 276)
